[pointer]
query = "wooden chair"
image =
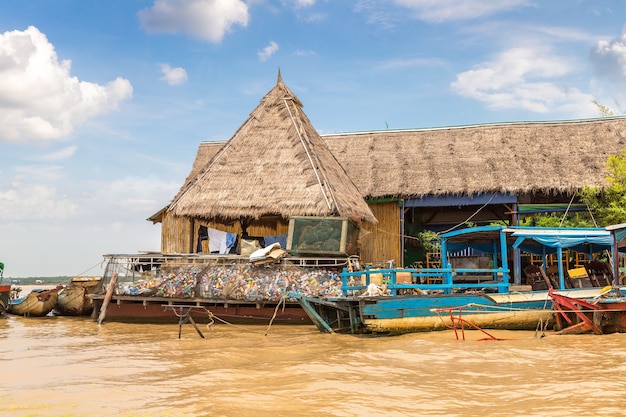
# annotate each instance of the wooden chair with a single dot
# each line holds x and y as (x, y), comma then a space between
(537, 278)
(599, 273)
(553, 275)
(579, 278)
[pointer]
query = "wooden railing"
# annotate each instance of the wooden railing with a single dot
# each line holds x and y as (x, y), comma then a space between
(424, 279)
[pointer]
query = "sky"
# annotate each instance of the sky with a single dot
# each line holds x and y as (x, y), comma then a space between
(103, 104)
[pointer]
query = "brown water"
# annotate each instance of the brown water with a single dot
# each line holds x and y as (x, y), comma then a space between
(67, 366)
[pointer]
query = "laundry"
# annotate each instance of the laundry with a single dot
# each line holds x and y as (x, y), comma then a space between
(220, 241)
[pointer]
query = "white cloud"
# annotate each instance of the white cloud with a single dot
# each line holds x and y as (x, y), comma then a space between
(298, 4)
(303, 52)
(39, 99)
(447, 10)
(142, 196)
(173, 76)
(268, 51)
(22, 201)
(524, 78)
(207, 20)
(393, 64)
(609, 59)
(64, 153)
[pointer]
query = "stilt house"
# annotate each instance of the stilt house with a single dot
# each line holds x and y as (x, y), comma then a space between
(276, 166)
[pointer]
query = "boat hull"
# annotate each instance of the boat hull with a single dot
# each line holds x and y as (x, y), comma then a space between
(612, 316)
(36, 304)
(5, 293)
(422, 313)
(136, 309)
(74, 299)
(506, 320)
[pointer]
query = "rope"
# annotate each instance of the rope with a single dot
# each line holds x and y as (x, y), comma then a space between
(83, 273)
(472, 216)
(90, 268)
(541, 326)
(310, 157)
(567, 210)
(213, 317)
(282, 301)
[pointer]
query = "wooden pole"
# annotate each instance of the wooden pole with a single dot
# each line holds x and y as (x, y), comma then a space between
(195, 326)
(107, 298)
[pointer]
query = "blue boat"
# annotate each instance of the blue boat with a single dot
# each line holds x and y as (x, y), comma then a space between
(481, 284)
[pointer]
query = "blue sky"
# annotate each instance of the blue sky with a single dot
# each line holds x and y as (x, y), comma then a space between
(103, 103)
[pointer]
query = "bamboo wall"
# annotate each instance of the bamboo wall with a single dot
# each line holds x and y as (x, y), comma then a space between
(380, 243)
(383, 241)
(175, 233)
(180, 234)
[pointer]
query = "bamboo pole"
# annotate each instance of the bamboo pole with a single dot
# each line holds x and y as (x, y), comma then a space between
(107, 298)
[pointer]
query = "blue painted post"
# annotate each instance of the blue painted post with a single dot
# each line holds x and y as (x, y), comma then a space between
(344, 282)
(559, 257)
(505, 261)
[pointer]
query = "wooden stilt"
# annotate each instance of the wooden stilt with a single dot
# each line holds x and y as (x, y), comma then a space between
(195, 326)
(107, 299)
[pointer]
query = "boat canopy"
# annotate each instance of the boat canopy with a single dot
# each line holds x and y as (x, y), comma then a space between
(479, 238)
(547, 241)
(534, 240)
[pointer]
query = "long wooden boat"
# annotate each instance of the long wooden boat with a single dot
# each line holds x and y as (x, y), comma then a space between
(74, 299)
(37, 303)
(490, 296)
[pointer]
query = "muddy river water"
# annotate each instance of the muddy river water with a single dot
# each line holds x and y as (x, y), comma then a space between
(66, 366)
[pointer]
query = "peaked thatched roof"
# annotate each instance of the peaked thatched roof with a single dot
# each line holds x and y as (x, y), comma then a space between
(206, 151)
(512, 157)
(274, 165)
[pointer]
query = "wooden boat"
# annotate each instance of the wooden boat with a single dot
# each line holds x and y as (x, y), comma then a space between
(603, 314)
(395, 301)
(5, 292)
(36, 304)
(74, 299)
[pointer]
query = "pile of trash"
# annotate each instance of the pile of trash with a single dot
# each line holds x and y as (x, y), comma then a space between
(242, 282)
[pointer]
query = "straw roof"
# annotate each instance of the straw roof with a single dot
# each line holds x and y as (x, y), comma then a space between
(549, 157)
(275, 165)
(206, 151)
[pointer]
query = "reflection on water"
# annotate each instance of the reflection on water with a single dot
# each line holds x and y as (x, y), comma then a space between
(69, 366)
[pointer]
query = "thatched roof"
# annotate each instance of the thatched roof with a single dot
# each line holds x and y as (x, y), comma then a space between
(276, 164)
(206, 151)
(513, 157)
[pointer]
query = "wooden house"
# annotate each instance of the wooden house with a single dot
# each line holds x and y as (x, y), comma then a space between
(442, 178)
(276, 166)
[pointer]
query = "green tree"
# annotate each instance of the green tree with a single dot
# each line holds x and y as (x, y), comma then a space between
(559, 220)
(606, 111)
(609, 204)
